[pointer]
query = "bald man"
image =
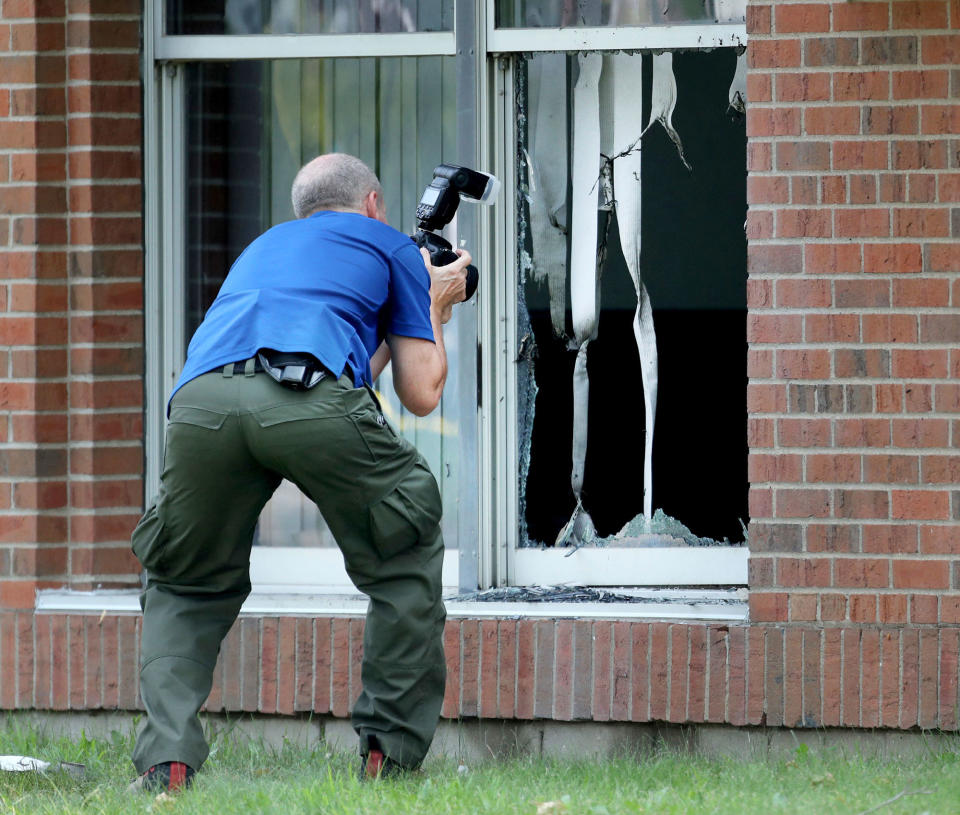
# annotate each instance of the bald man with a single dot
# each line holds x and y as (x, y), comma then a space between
(277, 384)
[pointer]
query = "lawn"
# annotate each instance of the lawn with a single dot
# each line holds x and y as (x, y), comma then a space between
(242, 777)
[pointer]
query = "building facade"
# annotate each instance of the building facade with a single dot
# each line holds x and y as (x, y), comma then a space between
(750, 214)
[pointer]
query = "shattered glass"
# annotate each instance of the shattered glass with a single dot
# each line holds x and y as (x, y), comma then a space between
(591, 293)
(576, 13)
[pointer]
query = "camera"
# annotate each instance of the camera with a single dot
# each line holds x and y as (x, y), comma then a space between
(438, 205)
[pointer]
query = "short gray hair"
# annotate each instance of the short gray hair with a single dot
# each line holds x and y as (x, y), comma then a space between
(332, 181)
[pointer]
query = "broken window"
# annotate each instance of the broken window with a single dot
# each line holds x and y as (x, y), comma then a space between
(609, 13)
(632, 297)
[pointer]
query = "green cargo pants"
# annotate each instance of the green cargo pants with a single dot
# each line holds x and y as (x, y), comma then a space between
(231, 438)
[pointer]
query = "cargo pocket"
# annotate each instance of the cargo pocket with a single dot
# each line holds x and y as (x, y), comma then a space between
(411, 511)
(197, 416)
(148, 540)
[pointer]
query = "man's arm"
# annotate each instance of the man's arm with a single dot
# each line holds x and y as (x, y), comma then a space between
(420, 366)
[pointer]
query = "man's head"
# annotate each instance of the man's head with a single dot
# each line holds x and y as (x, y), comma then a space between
(339, 182)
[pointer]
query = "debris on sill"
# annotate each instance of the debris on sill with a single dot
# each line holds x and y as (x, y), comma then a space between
(659, 532)
(575, 594)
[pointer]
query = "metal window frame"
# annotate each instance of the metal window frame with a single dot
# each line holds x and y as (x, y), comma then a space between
(627, 38)
(164, 237)
(505, 563)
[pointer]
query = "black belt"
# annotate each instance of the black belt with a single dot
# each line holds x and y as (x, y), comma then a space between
(239, 368)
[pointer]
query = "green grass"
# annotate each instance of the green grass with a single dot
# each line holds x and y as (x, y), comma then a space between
(245, 777)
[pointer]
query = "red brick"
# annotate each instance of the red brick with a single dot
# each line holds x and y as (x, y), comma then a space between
(861, 504)
(866, 16)
(920, 14)
(920, 505)
(949, 703)
(803, 364)
(804, 223)
(860, 155)
(801, 18)
(603, 682)
(622, 674)
(892, 188)
(803, 293)
(829, 51)
(892, 258)
(798, 156)
(922, 188)
(919, 155)
(659, 671)
(759, 225)
(775, 259)
(832, 259)
(861, 223)
(914, 433)
(890, 469)
(803, 608)
(803, 190)
(943, 258)
(488, 669)
(921, 223)
(679, 663)
(833, 469)
(640, 666)
(921, 574)
(832, 328)
(922, 84)
(850, 86)
(863, 608)
(544, 694)
(760, 432)
(784, 53)
(507, 669)
(802, 87)
(758, 19)
(833, 189)
(760, 157)
(910, 680)
(766, 122)
(759, 87)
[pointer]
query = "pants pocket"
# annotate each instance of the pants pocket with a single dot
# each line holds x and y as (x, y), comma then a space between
(148, 539)
(408, 513)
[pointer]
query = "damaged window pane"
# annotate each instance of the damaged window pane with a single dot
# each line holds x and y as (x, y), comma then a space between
(580, 13)
(632, 293)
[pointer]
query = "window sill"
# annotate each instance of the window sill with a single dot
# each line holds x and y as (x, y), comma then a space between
(729, 605)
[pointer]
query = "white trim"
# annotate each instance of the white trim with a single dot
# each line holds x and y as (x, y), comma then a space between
(319, 570)
(729, 606)
(655, 38)
(633, 566)
(266, 46)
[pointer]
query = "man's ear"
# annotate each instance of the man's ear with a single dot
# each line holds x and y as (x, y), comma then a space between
(373, 206)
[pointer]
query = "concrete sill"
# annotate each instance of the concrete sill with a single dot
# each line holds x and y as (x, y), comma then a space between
(728, 605)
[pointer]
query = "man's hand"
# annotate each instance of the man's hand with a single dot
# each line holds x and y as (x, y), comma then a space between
(448, 284)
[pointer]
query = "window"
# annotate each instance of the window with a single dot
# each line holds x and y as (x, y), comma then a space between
(538, 92)
(631, 305)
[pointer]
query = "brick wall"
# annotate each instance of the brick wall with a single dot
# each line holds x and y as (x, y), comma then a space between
(853, 189)
(790, 675)
(71, 324)
(854, 183)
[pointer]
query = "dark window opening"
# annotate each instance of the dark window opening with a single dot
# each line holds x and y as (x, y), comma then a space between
(693, 264)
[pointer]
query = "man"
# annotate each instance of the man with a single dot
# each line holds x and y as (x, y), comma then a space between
(320, 304)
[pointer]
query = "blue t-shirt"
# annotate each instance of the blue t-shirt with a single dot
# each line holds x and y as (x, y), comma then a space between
(333, 284)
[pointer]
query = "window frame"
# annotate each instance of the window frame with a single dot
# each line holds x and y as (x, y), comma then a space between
(487, 553)
(507, 563)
